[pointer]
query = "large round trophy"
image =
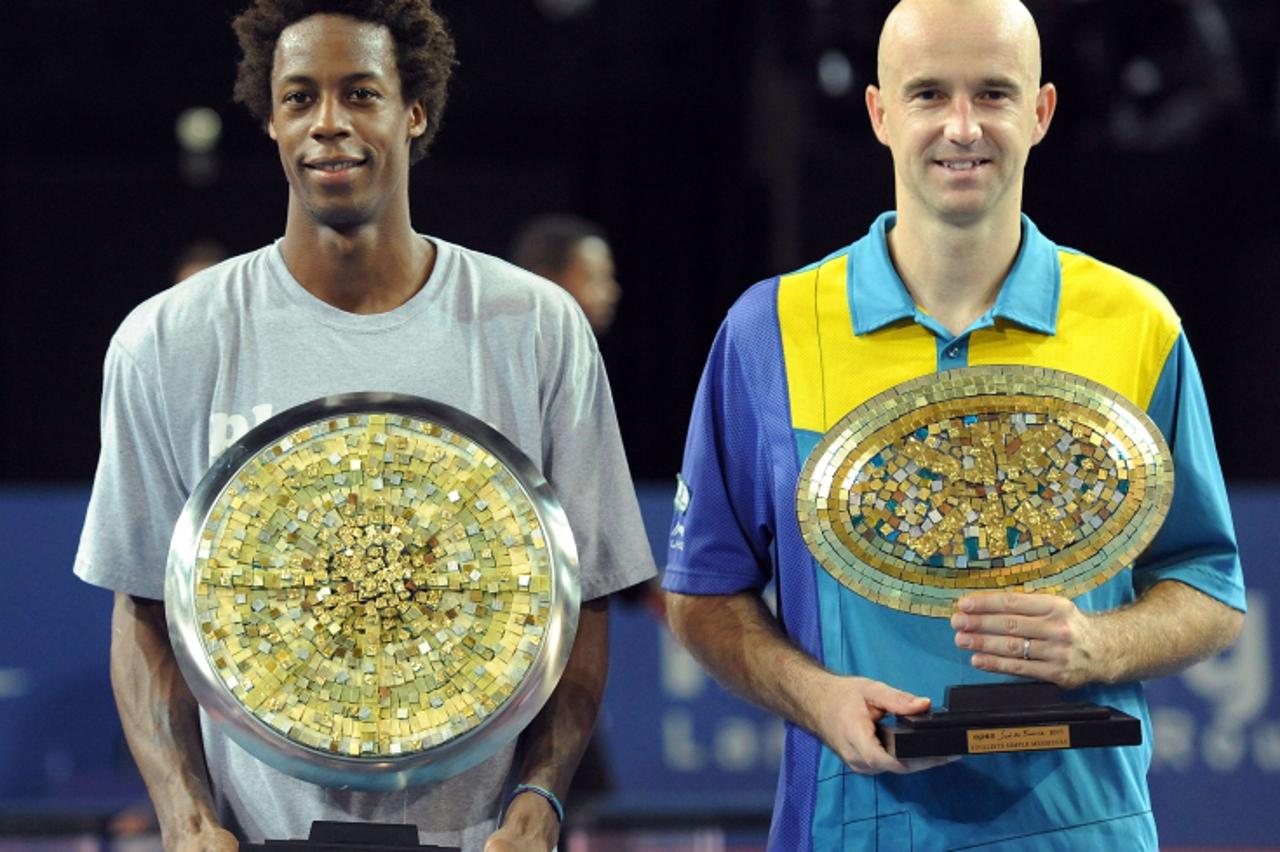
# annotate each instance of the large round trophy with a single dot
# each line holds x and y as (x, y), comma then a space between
(372, 591)
(979, 479)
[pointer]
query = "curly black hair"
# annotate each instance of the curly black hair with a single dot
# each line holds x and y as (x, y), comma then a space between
(424, 51)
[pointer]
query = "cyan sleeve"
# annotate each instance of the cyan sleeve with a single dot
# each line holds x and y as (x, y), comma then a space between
(722, 528)
(1197, 544)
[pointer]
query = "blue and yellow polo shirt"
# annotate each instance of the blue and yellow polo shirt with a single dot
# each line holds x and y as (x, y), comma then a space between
(794, 355)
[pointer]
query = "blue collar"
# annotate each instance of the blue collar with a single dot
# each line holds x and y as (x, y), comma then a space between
(1028, 297)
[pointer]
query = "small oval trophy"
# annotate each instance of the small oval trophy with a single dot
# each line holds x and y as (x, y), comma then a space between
(986, 479)
(372, 591)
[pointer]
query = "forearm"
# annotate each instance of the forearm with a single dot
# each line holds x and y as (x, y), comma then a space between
(160, 720)
(1171, 627)
(553, 744)
(741, 644)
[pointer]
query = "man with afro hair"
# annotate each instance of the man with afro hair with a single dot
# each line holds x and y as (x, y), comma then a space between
(351, 298)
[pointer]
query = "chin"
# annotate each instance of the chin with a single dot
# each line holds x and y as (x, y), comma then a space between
(961, 212)
(340, 218)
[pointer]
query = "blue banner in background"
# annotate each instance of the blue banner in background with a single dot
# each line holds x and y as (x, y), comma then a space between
(1215, 775)
(675, 742)
(61, 737)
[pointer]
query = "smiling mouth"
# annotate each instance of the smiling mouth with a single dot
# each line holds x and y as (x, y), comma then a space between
(960, 165)
(334, 166)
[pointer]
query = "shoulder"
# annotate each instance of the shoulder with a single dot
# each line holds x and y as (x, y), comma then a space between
(759, 309)
(1087, 280)
(769, 304)
(523, 309)
(190, 310)
(498, 282)
(756, 310)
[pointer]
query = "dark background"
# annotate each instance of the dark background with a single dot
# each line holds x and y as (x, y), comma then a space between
(698, 132)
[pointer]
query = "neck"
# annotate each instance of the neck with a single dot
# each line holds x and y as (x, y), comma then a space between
(954, 272)
(366, 269)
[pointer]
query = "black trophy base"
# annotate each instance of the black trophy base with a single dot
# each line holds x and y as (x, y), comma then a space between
(1004, 717)
(353, 837)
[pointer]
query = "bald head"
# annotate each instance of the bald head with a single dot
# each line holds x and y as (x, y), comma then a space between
(960, 105)
(933, 25)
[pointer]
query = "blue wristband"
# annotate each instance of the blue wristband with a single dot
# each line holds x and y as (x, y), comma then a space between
(544, 793)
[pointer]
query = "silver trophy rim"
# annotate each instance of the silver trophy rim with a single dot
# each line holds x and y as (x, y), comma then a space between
(384, 773)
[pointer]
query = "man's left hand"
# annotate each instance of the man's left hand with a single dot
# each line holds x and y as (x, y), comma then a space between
(1038, 636)
(529, 825)
(508, 840)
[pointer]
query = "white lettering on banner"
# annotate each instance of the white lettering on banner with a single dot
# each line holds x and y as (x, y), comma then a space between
(225, 429)
(1236, 685)
(13, 683)
(1175, 735)
(732, 743)
(1266, 747)
(737, 746)
(680, 751)
(1223, 748)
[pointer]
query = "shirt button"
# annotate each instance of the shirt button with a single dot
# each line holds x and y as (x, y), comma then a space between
(953, 352)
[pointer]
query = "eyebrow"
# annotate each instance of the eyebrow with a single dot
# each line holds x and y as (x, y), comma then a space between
(359, 76)
(919, 84)
(1009, 84)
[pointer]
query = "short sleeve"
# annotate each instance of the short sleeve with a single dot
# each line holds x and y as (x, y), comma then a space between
(137, 493)
(1197, 544)
(722, 528)
(585, 463)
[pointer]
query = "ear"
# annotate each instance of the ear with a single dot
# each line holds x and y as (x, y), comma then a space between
(875, 111)
(271, 128)
(417, 119)
(1046, 103)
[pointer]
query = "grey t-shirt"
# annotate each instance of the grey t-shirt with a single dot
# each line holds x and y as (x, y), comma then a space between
(193, 368)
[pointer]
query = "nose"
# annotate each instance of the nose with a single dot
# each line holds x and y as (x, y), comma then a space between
(962, 128)
(330, 119)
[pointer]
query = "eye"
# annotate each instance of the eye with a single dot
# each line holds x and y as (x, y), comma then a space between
(296, 98)
(927, 95)
(994, 95)
(364, 94)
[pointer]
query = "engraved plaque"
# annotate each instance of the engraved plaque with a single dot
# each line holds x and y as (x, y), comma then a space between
(372, 590)
(1030, 738)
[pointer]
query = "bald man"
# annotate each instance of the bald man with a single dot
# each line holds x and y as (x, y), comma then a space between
(956, 275)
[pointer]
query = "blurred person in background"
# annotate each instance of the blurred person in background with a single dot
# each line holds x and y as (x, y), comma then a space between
(575, 254)
(196, 257)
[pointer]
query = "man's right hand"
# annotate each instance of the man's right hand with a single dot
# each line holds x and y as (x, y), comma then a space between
(847, 724)
(161, 723)
(211, 839)
(742, 644)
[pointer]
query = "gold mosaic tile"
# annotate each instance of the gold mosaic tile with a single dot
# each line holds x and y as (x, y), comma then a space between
(372, 585)
(984, 478)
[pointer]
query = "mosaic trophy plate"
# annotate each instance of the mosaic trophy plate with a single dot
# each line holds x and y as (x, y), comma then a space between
(372, 591)
(991, 478)
(982, 479)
